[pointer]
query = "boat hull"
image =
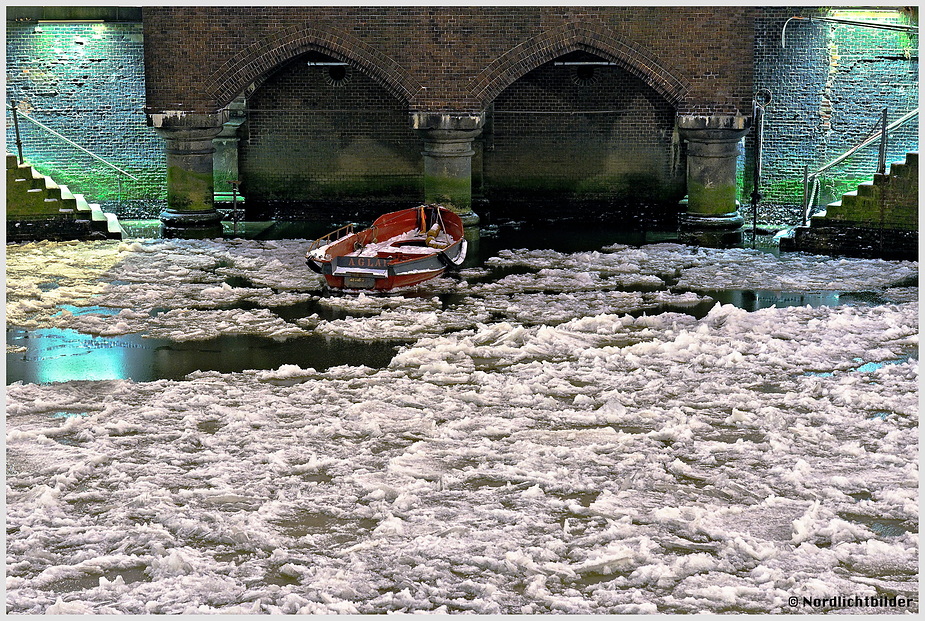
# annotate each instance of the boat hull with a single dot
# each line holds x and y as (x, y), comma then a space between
(347, 263)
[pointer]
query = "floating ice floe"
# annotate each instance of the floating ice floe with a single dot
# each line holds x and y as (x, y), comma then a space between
(146, 284)
(603, 463)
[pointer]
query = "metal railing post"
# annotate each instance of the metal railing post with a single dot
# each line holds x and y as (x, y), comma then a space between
(18, 139)
(805, 194)
(234, 205)
(761, 99)
(881, 167)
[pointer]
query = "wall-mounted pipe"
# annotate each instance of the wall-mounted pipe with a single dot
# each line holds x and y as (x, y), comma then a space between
(761, 99)
(849, 22)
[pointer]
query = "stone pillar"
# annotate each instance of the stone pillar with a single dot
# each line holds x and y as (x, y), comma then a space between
(190, 184)
(448, 159)
(712, 217)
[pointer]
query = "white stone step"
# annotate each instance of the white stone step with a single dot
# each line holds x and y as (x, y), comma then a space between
(96, 213)
(112, 224)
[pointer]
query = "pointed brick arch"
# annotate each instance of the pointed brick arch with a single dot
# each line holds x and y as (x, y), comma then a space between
(597, 39)
(256, 61)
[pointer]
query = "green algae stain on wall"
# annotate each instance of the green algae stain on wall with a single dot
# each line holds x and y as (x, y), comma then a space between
(86, 82)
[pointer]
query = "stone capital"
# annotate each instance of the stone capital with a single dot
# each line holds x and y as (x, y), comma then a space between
(448, 122)
(181, 125)
(713, 128)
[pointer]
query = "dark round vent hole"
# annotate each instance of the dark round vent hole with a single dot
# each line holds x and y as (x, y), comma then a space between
(337, 73)
(585, 73)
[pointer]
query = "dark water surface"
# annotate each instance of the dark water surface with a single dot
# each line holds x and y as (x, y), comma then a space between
(57, 355)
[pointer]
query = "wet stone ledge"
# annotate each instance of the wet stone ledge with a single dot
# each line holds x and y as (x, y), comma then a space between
(860, 242)
(52, 229)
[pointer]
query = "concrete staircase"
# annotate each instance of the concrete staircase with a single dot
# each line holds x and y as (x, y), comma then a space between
(879, 219)
(890, 200)
(39, 208)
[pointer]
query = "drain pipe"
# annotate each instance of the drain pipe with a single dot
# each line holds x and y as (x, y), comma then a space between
(761, 99)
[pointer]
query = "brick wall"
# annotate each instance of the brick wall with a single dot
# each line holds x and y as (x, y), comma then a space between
(449, 58)
(829, 85)
(595, 135)
(828, 88)
(86, 82)
(309, 145)
(317, 140)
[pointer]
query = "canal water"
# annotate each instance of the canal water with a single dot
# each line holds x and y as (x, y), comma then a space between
(581, 420)
(54, 354)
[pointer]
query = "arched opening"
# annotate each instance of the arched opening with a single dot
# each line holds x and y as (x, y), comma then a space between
(582, 132)
(322, 138)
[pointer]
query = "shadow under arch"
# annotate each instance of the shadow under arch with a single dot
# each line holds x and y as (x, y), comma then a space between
(596, 39)
(253, 64)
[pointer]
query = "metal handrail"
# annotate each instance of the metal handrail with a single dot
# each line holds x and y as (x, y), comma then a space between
(69, 141)
(344, 231)
(812, 178)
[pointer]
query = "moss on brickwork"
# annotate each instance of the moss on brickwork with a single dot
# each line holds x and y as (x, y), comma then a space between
(188, 190)
(448, 191)
(783, 191)
(712, 200)
(627, 187)
(262, 187)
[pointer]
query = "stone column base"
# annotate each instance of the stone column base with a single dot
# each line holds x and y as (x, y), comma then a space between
(203, 224)
(710, 238)
(721, 230)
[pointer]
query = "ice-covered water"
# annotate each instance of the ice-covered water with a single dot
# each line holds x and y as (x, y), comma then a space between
(577, 432)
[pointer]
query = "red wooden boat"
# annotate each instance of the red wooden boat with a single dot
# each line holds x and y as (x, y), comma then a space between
(399, 249)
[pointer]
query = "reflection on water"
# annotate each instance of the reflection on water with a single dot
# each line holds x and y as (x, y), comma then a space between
(63, 355)
(56, 355)
(868, 367)
(752, 300)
